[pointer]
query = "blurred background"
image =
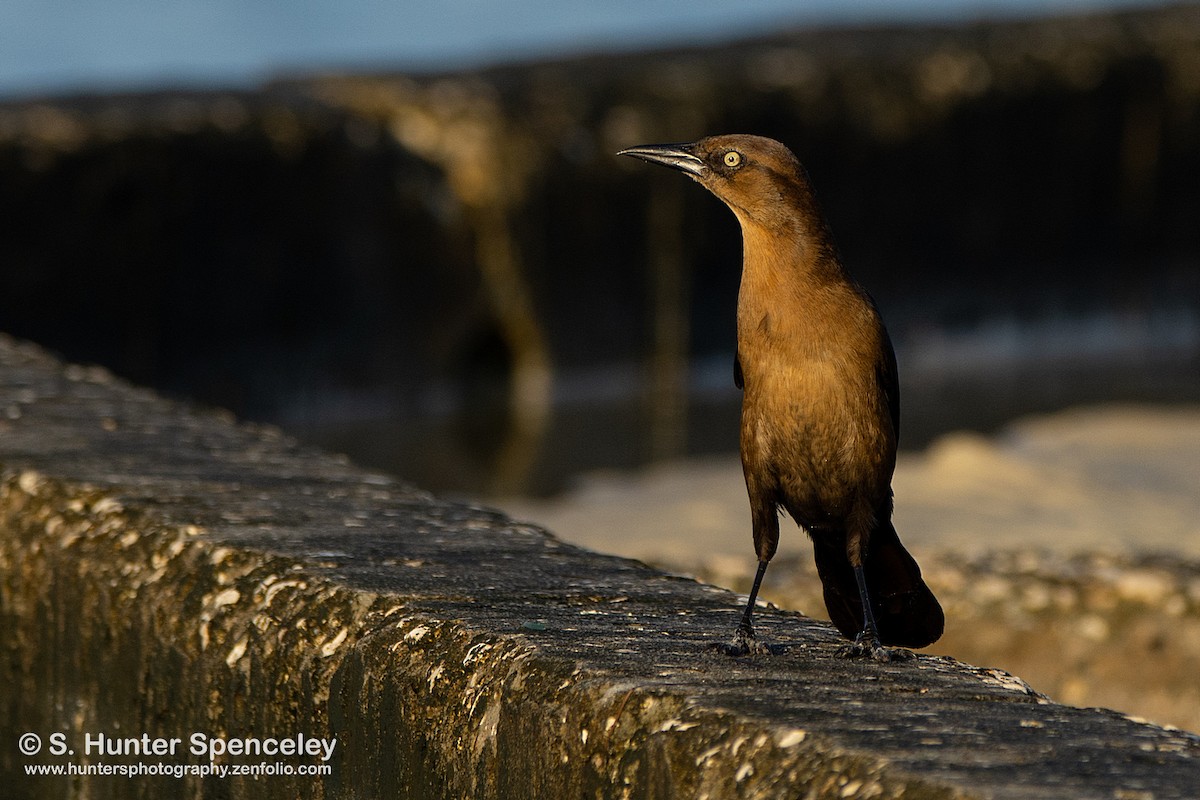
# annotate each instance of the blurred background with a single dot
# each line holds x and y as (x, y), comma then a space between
(401, 233)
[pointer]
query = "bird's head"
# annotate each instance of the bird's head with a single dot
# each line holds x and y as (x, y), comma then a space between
(759, 178)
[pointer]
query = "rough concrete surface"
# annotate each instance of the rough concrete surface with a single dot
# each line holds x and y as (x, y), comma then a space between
(165, 571)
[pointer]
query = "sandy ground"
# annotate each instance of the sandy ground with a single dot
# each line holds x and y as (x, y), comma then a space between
(1120, 479)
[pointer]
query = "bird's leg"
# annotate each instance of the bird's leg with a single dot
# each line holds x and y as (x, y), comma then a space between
(765, 527)
(867, 642)
(744, 641)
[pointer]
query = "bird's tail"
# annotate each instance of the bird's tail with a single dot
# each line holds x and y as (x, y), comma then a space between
(906, 612)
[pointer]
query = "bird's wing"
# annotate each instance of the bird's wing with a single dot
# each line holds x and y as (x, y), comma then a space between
(889, 382)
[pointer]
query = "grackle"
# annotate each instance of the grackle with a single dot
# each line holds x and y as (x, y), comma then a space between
(820, 404)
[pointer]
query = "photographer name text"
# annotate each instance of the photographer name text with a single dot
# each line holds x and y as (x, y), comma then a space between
(198, 744)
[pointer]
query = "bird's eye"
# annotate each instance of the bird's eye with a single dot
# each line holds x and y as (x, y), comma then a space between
(733, 158)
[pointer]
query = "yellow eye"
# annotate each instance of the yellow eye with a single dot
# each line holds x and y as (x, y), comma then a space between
(733, 158)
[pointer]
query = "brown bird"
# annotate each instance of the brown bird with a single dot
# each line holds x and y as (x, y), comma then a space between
(820, 403)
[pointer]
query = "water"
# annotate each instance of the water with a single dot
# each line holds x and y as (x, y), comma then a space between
(974, 379)
(51, 46)
(977, 380)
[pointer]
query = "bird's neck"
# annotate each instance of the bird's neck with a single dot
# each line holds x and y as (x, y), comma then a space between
(783, 259)
(790, 273)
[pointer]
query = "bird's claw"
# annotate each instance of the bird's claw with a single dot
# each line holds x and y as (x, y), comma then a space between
(867, 645)
(744, 643)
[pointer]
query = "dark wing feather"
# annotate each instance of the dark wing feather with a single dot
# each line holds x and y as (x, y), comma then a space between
(889, 382)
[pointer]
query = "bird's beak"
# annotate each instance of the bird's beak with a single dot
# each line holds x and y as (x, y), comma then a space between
(676, 156)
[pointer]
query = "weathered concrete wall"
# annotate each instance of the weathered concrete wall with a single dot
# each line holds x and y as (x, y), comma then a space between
(165, 571)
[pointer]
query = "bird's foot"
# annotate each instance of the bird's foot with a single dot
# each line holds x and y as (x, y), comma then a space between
(744, 643)
(867, 645)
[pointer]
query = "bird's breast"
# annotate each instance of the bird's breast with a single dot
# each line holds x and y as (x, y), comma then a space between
(815, 419)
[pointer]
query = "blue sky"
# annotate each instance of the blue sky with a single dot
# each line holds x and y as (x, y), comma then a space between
(65, 45)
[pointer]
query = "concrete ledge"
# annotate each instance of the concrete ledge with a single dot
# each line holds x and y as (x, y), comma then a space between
(168, 572)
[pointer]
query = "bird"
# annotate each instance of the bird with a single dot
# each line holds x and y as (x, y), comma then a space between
(820, 418)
